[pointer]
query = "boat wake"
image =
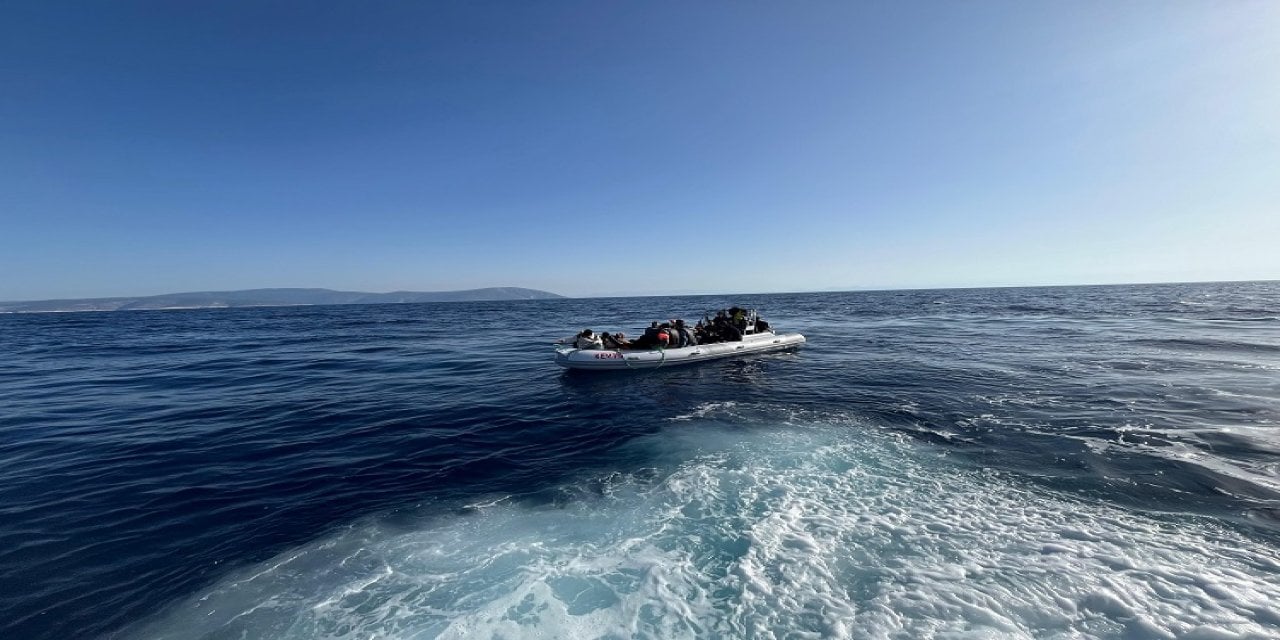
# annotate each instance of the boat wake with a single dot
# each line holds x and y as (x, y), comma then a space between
(768, 530)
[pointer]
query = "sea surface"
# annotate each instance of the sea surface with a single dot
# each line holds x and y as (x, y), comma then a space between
(988, 463)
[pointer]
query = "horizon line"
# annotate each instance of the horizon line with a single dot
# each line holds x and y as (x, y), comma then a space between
(878, 288)
(856, 289)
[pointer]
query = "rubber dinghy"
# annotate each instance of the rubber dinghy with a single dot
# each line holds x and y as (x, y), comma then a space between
(607, 359)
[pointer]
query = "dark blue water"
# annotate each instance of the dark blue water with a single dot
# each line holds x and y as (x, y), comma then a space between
(1049, 462)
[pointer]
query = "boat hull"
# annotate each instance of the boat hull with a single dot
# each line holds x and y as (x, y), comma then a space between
(623, 359)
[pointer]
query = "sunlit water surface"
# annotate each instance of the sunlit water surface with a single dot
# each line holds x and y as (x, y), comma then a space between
(1025, 463)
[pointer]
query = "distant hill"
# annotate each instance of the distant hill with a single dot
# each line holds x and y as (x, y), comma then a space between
(270, 298)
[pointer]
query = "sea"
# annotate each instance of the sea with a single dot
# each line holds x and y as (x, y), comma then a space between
(1077, 462)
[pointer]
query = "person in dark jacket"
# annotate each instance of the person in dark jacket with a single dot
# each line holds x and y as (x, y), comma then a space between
(687, 339)
(647, 340)
(700, 334)
(615, 341)
(667, 337)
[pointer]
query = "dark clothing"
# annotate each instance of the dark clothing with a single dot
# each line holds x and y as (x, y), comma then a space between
(648, 340)
(687, 339)
(672, 338)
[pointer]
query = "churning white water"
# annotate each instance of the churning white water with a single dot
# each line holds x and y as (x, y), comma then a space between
(791, 530)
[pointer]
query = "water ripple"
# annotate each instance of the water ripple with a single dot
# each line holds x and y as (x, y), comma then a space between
(148, 455)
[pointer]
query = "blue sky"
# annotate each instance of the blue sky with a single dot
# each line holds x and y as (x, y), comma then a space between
(635, 148)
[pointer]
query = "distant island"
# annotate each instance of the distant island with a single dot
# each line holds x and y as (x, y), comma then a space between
(270, 298)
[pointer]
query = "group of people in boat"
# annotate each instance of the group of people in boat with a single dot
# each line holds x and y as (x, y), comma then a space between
(728, 325)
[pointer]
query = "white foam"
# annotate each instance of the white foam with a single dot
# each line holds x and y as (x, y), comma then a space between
(703, 410)
(793, 532)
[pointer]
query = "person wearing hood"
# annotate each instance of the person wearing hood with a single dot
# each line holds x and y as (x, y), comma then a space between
(687, 339)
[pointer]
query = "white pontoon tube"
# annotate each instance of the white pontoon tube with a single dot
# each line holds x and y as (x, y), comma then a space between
(606, 359)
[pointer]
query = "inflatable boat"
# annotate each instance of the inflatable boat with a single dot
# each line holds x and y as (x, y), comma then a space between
(605, 359)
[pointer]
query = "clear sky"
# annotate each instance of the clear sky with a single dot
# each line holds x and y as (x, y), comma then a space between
(635, 148)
